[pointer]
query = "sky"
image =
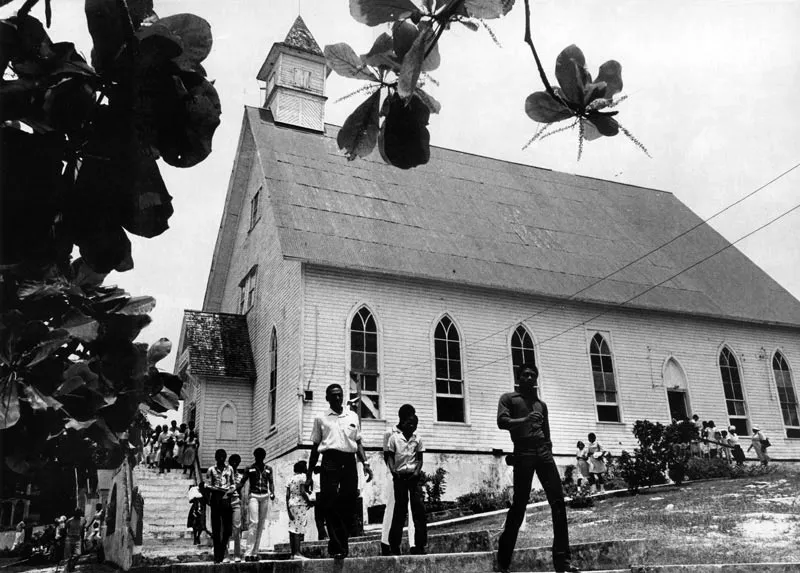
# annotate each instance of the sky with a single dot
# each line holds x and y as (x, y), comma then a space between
(712, 86)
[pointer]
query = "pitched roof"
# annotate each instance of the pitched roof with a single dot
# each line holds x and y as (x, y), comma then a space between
(300, 37)
(474, 220)
(218, 344)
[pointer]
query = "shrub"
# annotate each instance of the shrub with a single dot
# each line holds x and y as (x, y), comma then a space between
(642, 469)
(486, 499)
(700, 468)
(434, 485)
(579, 495)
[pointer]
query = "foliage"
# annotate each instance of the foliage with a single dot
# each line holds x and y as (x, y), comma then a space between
(486, 498)
(399, 63)
(701, 468)
(580, 495)
(79, 145)
(434, 486)
(661, 448)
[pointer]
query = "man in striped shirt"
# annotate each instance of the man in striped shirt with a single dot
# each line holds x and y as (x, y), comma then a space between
(262, 491)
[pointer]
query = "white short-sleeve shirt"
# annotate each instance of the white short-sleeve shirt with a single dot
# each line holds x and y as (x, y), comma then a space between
(405, 451)
(334, 431)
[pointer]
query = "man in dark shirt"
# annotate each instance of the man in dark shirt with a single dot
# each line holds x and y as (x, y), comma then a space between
(524, 415)
(262, 491)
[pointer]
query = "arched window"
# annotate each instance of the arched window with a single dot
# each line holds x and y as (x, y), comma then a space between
(521, 350)
(449, 377)
(605, 385)
(364, 364)
(273, 378)
(786, 395)
(734, 394)
(675, 383)
(227, 422)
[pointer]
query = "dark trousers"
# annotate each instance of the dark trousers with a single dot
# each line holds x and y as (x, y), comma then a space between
(408, 487)
(339, 489)
(526, 464)
(221, 525)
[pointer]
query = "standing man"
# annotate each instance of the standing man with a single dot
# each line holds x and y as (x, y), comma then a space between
(262, 491)
(220, 482)
(337, 436)
(524, 415)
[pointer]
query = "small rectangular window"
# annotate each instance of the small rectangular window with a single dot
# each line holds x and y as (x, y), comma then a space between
(254, 209)
(302, 78)
(247, 291)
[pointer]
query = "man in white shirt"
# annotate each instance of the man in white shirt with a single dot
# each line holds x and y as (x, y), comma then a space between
(337, 436)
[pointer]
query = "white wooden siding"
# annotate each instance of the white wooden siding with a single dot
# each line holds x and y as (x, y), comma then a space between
(220, 391)
(288, 63)
(640, 342)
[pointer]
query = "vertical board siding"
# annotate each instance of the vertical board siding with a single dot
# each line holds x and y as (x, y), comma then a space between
(277, 304)
(220, 391)
(640, 343)
(287, 63)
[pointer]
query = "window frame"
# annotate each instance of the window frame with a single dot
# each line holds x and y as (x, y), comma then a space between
(351, 372)
(235, 421)
(255, 214)
(463, 380)
(301, 78)
(272, 390)
(606, 336)
(674, 359)
(532, 349)
(248, 290)
(787, 428)
(740, 374)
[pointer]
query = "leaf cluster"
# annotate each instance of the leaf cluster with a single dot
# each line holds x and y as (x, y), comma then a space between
(79, 144)
(396, 67)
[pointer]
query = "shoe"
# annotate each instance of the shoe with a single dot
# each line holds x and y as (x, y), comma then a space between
(385, 550)
(237, 559)
(417, 551)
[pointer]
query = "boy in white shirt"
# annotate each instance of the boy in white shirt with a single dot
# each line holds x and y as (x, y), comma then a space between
(404, 456)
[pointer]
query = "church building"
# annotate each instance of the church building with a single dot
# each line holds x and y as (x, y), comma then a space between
(430, 285)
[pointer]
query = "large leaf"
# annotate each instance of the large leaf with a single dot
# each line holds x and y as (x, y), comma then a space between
(158, 351)
(138, 305)
(9, 402)
(106, 249)
(412, 63)
(611, 74)
(542, 108)
(433, 105)
(42, 351)
(38, 401)
(345, 62)
(381, 55)
(572, 74)
(359, 134)
(80, 326)
(106, 20)
(195, 36)
(605, 123)
(403, 36)
(404, 139)
(140, 10)
(374, 12)
(167, 399)
(77, 376)
(433, 60)
(84, 276)
(488, 9)
(147, 206)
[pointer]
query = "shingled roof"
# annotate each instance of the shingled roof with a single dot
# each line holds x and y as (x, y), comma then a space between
(478, 221)
(218, 344)
(300, 37)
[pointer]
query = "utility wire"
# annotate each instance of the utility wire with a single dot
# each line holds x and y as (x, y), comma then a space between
(622, 268)
(622, 304)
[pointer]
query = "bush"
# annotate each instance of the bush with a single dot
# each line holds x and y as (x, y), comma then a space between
(700, 468)
(580, 495)
(642, 469)
(434, 486)
(486, 499)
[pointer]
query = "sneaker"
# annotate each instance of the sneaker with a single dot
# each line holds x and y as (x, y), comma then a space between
(237, 559)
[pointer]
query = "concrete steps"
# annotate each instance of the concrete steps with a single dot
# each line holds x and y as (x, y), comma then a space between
(599, 556)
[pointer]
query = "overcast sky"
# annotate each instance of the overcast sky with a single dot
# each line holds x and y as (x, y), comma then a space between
(713, 88)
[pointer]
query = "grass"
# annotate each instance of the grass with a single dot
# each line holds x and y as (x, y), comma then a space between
(751, 519)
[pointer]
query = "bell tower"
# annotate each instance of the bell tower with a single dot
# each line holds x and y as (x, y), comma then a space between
(295, 74)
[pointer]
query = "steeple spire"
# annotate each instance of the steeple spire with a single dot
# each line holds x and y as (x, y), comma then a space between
(299, 37)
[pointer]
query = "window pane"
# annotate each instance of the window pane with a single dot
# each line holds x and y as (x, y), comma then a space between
(611, 385)
(441, 368)
(455, 387)
(442, 387)
(608, 413)
(599, 383)
(440, 331)
(371, 342)
(596, 363)
(370, 384)
(793, 432)
(356, 341)
(606, 362)
(450, 409)
(357, 361)
(369, 325)
(440, 348)
(453, 351)
(370, 407)
(371, 363)
(741, 426)
(455, 369)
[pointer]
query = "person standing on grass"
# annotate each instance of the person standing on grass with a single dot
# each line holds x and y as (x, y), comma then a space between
(297, 504)
(736, 448)
(405, 451)
(597, 467)
(337, 436)
(405, 410)
(525, 417)
(582, 462)
(712, 435)
(220, 482)
(262, 491)
(759, 443)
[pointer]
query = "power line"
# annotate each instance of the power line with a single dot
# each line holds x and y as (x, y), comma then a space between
(631, 263)
(621, 304)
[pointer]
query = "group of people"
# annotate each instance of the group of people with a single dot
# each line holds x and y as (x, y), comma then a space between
(70, 537)
(172, 447)
(591, 462)
(714, 442)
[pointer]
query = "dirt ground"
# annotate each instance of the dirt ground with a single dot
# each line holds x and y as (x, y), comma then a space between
(750, 519)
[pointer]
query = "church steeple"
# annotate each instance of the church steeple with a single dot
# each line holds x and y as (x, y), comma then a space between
(295, 74)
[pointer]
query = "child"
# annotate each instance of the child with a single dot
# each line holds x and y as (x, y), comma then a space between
(405, 463)
(297, 503)
(736, 449)
(582, 457)
(196, 520)
(597, 467)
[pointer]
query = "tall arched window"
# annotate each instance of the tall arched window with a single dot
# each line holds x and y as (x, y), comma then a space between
(364, 364)
(273, 378)
(605, 385)
(734, 394)
(449, 377)
(521, 350)
(227, 422)
(675, 383)
(786, 395)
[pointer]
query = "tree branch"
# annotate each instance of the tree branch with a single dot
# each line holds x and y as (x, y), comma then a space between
(528, 40)
(442, 18)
